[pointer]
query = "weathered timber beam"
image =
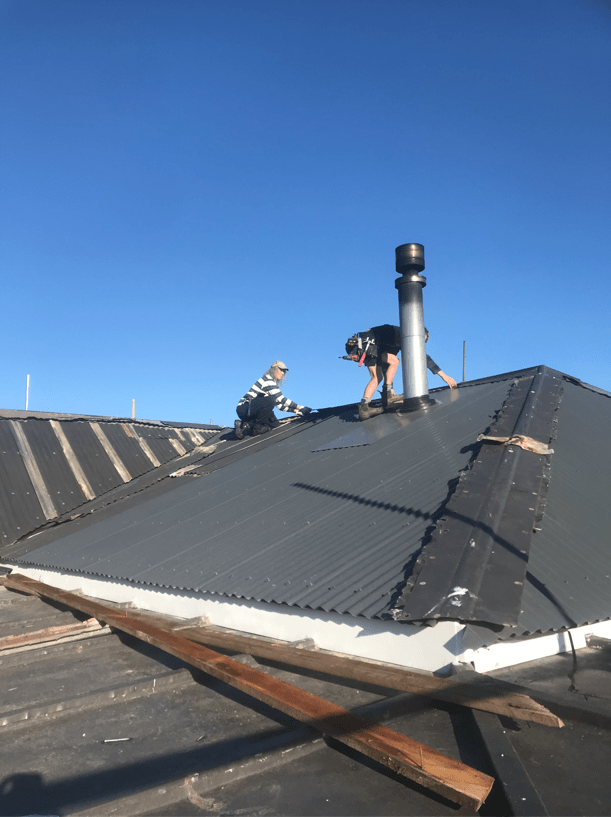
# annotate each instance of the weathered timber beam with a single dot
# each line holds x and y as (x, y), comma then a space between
(11, 642)
(425, 766)
(476, 693)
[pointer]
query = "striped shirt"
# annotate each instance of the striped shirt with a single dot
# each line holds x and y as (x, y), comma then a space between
(268, 387)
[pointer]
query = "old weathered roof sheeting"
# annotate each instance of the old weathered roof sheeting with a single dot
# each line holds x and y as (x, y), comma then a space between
(50, 465)
(334, 529)
(20, 509)
(54, 468)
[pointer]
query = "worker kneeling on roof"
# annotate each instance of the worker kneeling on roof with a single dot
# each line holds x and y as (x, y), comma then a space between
(256, 408)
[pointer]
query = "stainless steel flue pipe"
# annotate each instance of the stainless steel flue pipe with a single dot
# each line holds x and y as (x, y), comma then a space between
(410, 263)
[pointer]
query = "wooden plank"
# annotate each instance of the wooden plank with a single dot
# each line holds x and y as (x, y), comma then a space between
(10, 642)
(482, 694)
(405, 756)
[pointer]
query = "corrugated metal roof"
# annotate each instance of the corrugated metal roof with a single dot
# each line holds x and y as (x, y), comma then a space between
(20, 509)
(569, 571)
(307, 518)
(53, 464)
(331, 530)
(475, 564)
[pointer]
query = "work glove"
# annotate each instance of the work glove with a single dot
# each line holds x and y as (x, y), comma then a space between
(303, 410)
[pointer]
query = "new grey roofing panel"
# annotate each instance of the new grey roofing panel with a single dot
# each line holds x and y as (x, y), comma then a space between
(331, 530)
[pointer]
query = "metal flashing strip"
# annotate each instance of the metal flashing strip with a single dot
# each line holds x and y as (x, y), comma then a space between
(44, 497)
(114, 458)
(474, 567)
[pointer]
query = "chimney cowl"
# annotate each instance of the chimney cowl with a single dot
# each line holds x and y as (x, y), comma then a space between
(409, 258)
(410, 262)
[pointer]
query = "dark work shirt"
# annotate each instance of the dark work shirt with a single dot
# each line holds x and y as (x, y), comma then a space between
(388, 339)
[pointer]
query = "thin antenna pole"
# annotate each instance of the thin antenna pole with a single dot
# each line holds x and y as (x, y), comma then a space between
(133, 409)
(27, 391)
(464, 359)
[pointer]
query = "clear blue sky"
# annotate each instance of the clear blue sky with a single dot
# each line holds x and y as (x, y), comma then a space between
(193, 188)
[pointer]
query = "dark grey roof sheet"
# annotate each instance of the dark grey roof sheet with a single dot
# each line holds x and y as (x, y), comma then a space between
(390, 517)
(331, 530)
(475, 564)
(569, 570)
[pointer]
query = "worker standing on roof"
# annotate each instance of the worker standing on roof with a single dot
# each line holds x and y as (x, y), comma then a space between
(256, 408)
(381, 345)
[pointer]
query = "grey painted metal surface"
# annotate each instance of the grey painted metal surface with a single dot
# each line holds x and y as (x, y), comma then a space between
(367, 433)
(330, 530)
(569, 571)
(475, 564)
(315, 521)
(52, 464)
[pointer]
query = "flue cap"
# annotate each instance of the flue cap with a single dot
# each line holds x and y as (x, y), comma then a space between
(410, 258)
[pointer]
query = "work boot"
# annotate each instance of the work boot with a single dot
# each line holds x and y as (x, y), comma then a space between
(260, 428)
(238, 429)
(395, 398)
(366, 410)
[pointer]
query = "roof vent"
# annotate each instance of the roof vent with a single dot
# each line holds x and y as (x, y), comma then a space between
(410, 263)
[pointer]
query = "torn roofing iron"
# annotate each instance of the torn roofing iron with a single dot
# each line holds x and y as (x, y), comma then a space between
(330, 520)
(52, 465)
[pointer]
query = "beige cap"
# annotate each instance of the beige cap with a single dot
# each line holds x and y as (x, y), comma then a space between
(278, 364)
